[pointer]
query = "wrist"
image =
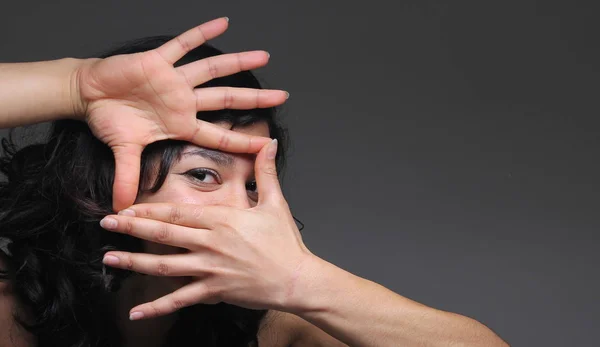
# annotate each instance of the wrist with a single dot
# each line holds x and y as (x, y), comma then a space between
(316, 283)
(78, 104)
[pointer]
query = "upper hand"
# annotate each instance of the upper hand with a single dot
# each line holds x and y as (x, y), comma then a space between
(250, 258)
(132, 100)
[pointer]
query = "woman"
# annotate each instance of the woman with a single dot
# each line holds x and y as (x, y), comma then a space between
(224, 262)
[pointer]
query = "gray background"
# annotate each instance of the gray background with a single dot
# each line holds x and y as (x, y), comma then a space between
(446, 151)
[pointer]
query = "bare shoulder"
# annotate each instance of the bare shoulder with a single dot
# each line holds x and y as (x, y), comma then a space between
(281, 329)
(11, 333)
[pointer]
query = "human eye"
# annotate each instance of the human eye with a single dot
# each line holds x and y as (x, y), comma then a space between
(252, 189)
(204, 175)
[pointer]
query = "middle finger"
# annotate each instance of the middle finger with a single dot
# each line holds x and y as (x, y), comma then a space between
(204, 70)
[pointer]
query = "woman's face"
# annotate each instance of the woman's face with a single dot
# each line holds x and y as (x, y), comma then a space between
(208, 177)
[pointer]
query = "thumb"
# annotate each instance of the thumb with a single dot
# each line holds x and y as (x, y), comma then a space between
(265, 170)
(127, 175)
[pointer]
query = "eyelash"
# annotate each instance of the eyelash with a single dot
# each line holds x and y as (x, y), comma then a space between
(194, 173)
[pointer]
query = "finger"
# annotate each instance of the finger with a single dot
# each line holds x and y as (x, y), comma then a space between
(213, 136)
(191, 294)
(156, 265)
(187, 215)
(176, 48)
(269, 190)
(201, 71)
(127, 174)
(219, 98)
(157, 231)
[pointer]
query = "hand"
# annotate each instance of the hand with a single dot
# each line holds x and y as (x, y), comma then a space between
(250, 258)
(132, 100)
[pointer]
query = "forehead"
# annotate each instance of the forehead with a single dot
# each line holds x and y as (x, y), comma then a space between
(224, 158)
(154, 170)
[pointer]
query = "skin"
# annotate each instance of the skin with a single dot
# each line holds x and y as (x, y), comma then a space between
(230, 247)
(234, 187)
(11, 334)
(230, 242)
(251, 254)
(142, 91)
(236, 190)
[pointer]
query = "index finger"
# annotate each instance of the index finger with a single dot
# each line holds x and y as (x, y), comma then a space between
(176, 48)
(187, 215)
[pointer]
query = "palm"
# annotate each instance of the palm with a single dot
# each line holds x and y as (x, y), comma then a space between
(146, 101)
(133, 100)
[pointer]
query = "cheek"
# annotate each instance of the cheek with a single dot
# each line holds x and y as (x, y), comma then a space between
(176, 192)
(173, 192)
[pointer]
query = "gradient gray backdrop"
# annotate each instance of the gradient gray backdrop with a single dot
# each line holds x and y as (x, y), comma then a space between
(446, 151)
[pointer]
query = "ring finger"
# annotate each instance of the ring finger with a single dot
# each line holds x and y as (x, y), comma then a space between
(174, 265)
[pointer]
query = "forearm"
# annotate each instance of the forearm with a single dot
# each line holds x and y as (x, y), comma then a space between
(38, 92)
(359, 312)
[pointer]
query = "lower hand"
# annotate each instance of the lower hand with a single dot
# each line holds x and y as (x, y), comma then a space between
(250, 258)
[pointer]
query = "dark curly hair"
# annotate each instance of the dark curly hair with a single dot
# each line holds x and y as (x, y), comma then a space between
(51, 202)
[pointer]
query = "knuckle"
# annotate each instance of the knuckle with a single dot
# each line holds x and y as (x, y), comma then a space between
(178, 304)
(250, 138)
(240, 64)
(175, 214)
(164, 233)
(228, 98)
(197, 212)
(128, 262)
(213, 69)
(155, 309)
(128, 226)
(163, 269)
(184, 45)
(270, 170)
(144, 212)
(201, 33)
(257, 99)
(223, 142)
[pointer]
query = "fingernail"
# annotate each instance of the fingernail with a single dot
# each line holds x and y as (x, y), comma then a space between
(108, 223)
(268, 55)
(287, 95)
(227, 19)
(127, 212)
(136, 315)
(110, 260)
(272, 150)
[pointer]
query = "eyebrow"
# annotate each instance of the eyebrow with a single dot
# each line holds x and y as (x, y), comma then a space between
(220, 158)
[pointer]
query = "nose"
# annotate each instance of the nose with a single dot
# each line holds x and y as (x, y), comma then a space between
(236, 196)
